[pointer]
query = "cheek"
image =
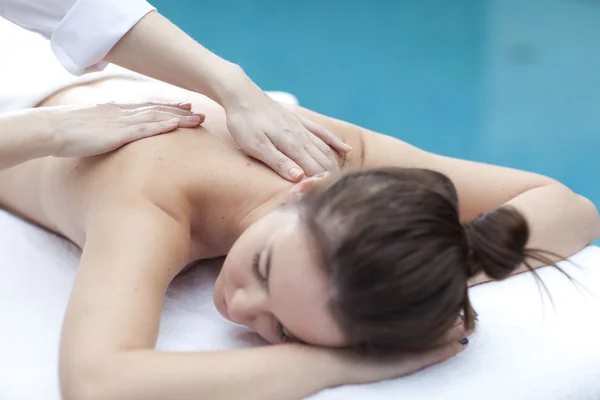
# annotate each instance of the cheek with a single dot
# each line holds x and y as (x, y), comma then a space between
(238, 263)
(230, 273)
(230, 279)
(236, 267)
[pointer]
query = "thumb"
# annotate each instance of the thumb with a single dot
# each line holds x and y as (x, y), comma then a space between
(281, 164)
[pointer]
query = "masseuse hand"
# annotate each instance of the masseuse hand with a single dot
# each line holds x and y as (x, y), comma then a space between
(261, 127)
(88, 130)
(268, 131)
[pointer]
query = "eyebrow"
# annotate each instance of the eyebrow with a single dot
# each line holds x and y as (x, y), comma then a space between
(267, 274)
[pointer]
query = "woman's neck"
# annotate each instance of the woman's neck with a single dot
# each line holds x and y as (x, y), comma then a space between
(231, 215)
(260, 211)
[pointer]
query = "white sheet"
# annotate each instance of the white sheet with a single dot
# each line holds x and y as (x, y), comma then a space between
(516, 353)
(521, 349)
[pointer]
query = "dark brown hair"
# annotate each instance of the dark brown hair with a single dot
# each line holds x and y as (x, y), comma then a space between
(399, 257)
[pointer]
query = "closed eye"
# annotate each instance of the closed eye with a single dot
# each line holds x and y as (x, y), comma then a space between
(256, 268)
(282, 333)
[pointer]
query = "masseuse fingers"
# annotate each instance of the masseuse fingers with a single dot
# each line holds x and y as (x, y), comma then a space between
(309, 160)
(325, 135)
(185, 121)
(130, 106)
(323, 154)
(172, 110)
(321, 159)
(276, 160)
(144, 130)
(294, 148)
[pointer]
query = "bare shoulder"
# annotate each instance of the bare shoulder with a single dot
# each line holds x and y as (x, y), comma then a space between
(367, 145)
(147, 171)
(480, 186)
(348, 132)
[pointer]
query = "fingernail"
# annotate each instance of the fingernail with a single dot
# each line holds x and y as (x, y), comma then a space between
(193, 119)
(296, 173)
(464, 341)
(186, 105)
(347, 147)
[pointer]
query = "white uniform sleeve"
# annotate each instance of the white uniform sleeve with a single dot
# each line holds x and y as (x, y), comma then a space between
(81, 32)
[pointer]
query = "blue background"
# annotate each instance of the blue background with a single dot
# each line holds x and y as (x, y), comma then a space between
(510, 82)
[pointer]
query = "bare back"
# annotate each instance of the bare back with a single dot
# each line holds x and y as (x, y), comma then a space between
(199, 168)
(202, 175)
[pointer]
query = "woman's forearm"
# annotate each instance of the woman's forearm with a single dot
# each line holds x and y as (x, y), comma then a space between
(157, 48)
(560, 222)
(273, 372)
(24, 135)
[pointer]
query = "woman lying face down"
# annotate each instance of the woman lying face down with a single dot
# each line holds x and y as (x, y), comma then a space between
(372, 259)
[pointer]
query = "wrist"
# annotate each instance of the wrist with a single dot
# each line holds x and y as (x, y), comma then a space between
(35, 133)
(230, 85)
(46, 131)
(330, 366)
(24, 136)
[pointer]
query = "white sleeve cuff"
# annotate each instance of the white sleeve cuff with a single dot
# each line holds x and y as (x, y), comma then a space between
(90, 30)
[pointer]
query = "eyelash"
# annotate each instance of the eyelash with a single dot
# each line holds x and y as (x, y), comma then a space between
(256, 267)
(281, 334)
(263, 279)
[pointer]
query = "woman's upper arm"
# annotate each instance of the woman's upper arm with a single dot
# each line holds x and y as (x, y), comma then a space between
(133, 249)
(480, 187)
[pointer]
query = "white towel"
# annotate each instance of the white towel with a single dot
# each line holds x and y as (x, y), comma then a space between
(521, 349)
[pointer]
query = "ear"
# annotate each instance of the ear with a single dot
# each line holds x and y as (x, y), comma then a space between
(306, 184)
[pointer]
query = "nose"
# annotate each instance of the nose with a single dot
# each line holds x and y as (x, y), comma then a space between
(245, 306)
